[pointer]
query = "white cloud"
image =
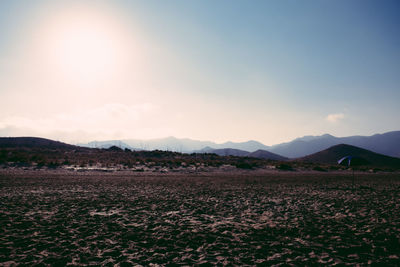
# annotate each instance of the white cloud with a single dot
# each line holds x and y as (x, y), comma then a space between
(333, 118)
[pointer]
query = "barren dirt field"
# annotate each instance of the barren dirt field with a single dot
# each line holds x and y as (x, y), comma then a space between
(243, 218)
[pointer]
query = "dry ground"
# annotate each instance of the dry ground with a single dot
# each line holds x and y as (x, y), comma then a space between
(243, 218)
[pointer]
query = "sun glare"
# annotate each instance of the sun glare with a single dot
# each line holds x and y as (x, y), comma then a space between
(86, 52)
(84, 47)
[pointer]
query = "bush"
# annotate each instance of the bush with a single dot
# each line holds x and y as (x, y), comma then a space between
(40, 164)
(244, 165)
(284, 167)
(334, 167)
(115, 148)
(320, 169)
(53, 165)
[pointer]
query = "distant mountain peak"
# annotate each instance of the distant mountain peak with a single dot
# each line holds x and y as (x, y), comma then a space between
(308, 138)
(387, 144)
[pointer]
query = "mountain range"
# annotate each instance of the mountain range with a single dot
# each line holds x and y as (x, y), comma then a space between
(31, 149)
(332, 154)
(261, 154)
(386, 143)
(184, 145)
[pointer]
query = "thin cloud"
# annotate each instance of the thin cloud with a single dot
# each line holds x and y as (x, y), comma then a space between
(334, 118)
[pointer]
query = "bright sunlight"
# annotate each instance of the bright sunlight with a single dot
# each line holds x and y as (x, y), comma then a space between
(86, 47)
(86, 52)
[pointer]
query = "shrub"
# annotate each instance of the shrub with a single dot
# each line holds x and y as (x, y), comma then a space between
(284, 167)
(53, 165)
(40, 164)
(244, 165)
(334, 167)
(320, 169)
(115, 148)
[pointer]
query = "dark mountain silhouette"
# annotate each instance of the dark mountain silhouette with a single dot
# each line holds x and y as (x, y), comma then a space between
(264, 154)
(261, 154)
(387, 144)
(33, 142)
(334, 153)
(227, 152)
(115, 149)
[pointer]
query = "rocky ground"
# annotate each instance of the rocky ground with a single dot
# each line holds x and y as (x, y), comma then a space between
(240, 218)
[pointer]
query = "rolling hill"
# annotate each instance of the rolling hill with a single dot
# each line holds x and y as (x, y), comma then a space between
(260, 154)
(225, 151)
(264, 154)
(33, 142)
(334, 153)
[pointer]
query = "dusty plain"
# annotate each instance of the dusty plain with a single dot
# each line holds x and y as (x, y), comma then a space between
(266, 217)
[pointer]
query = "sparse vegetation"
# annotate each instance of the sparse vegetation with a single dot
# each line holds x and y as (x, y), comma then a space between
(320, 169)
(39, 153)
(284, 167)
(85, 157)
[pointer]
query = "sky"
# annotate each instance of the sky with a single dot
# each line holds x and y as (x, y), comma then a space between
(227, 70)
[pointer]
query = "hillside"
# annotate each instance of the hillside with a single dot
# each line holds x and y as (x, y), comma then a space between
(334, 153)
(260, 154)
(38, 152)
(227, 152)
(33, 142)
(264, 154)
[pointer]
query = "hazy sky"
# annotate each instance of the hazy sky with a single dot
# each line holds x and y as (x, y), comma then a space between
(211, 70)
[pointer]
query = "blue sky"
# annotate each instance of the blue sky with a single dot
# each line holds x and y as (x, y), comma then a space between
(211, 70)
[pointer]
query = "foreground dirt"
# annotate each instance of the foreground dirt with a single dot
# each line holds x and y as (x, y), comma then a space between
(247, 218)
